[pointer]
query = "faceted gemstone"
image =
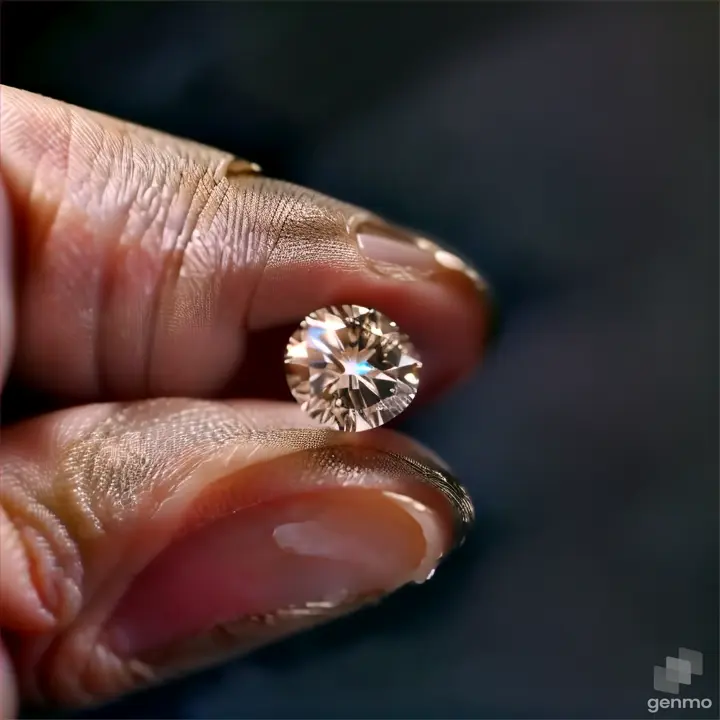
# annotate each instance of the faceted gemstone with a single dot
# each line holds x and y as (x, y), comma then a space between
(351, 368)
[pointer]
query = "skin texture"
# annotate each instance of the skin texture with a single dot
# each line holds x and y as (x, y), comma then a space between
(149, 270)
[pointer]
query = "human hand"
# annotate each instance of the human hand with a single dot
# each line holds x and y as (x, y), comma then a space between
(136, 524)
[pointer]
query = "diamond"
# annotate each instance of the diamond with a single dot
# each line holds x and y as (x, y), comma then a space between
(351, 368)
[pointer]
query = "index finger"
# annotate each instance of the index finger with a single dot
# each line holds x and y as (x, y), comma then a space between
(152, 265)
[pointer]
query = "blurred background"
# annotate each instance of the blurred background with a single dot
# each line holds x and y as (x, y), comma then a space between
(571, 151)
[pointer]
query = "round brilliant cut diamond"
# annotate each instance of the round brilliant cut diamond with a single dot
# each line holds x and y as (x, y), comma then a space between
(351, 368)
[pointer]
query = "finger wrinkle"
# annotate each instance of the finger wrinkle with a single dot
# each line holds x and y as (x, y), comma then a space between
(43, 180)
(309, 229)
(166, 196)
(47, 570)
(219, 273)
(279, 218)
(207, 196)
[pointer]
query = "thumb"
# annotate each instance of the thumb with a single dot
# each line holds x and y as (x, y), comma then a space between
(147, 539)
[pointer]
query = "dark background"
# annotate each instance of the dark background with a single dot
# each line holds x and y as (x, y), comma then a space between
(572, 152)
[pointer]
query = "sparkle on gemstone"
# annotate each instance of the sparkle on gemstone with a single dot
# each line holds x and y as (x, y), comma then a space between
(351, 368)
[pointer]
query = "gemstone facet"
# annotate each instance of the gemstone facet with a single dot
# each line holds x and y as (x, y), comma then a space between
(351, 368)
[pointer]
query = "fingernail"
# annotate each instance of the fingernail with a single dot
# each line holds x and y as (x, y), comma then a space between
(317, 549)
(389, 248)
